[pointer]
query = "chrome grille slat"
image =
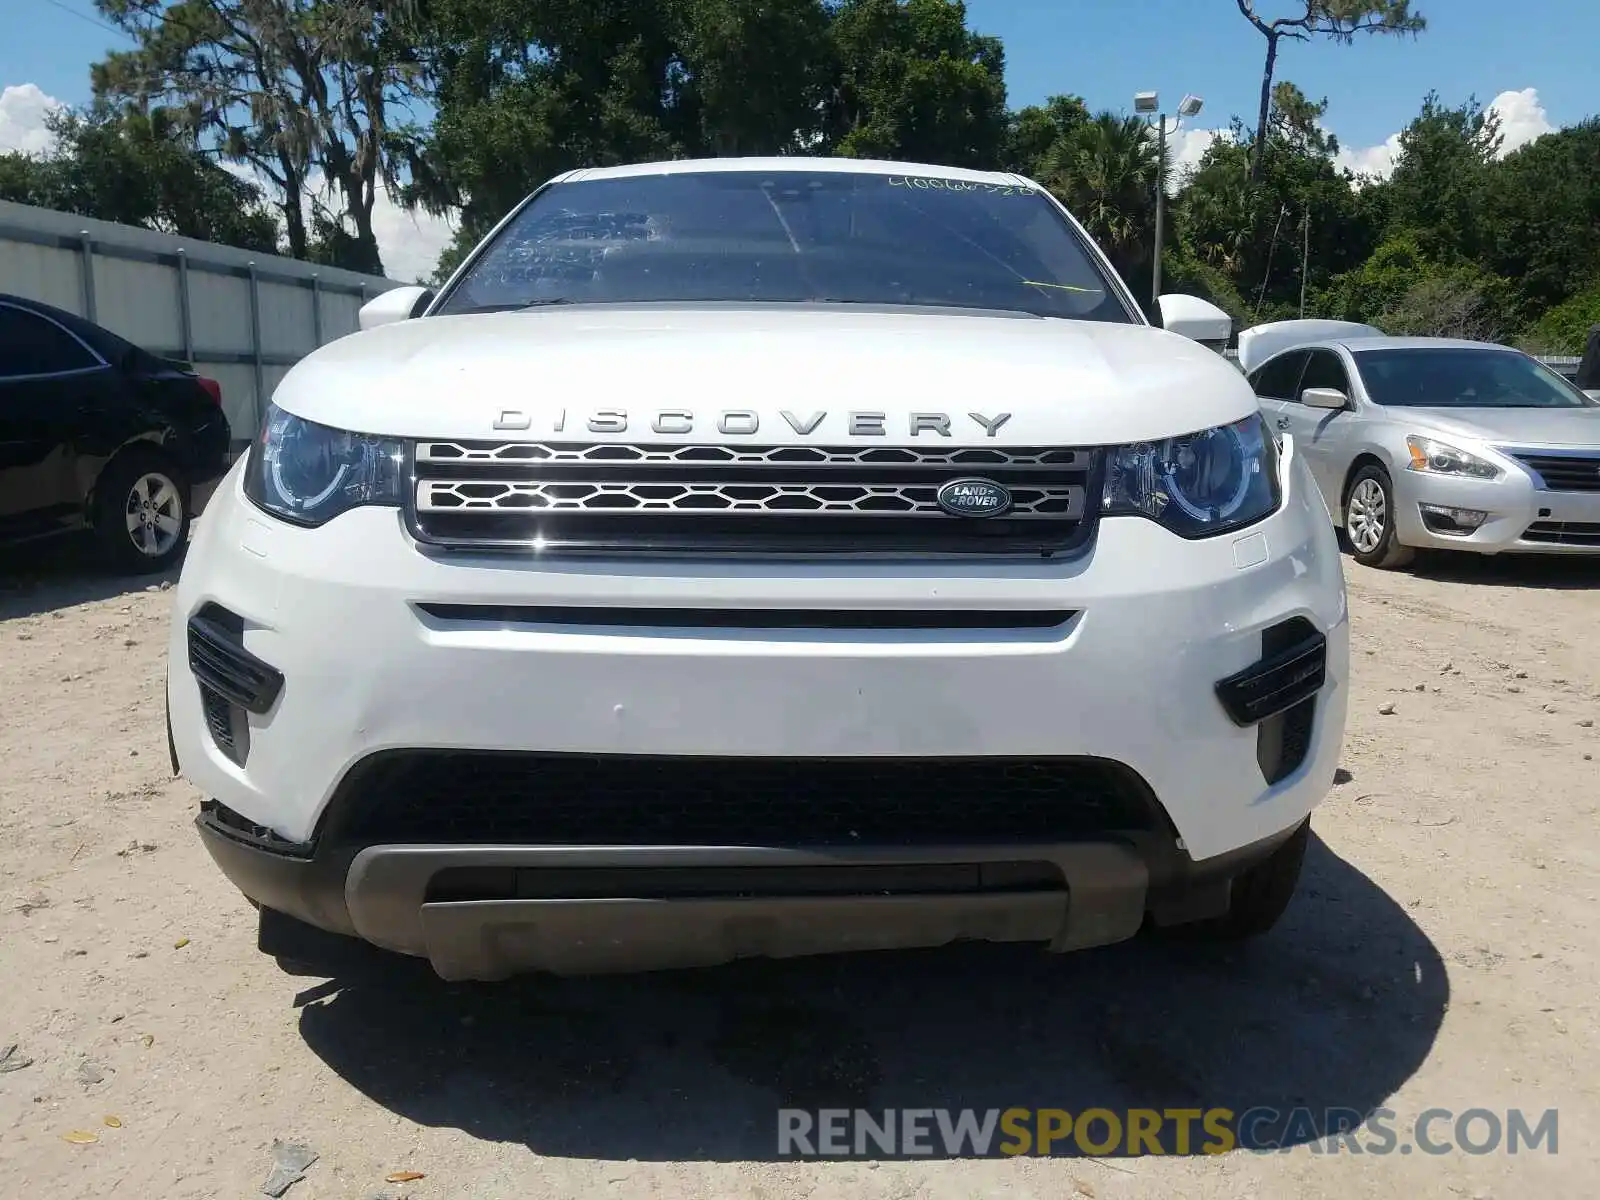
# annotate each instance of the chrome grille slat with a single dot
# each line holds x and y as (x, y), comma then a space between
(696, 498)
(714, 499)
(1563, 470)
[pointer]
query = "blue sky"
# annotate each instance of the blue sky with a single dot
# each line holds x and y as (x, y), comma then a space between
(1541, 61)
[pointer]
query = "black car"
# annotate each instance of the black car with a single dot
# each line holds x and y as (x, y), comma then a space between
(98, 434)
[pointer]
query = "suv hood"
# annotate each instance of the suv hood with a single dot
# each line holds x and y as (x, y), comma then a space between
(763, 374)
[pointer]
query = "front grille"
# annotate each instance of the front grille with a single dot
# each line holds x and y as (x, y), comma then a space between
(1564, 533)
(541, 799)
(1563, 472)
(767, 500)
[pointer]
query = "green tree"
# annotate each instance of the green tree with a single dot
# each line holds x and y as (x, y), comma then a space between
(1032, 133)
(752, 75)
(1541, 216)
(1405, 292)
(913, 82)
(1337, 20)
(1565, 328)
(526, 89)
(1281, 237)
(139, 169)
(1438, 192)
(1105, 173)
(290, 88)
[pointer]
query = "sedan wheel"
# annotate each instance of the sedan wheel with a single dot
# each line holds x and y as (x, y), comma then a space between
(1368, 517)
(154, 514)
(1369, 520)
(141, 512)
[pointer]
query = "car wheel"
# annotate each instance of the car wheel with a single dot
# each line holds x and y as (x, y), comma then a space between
(1369, 520)
(142, 513)
(1260, 894)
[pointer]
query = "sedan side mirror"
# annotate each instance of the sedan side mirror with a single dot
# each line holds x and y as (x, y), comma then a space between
(397, 304)
(1331, 398)
(1196, 319)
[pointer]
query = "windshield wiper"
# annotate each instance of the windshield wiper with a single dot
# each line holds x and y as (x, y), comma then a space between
(514, 305)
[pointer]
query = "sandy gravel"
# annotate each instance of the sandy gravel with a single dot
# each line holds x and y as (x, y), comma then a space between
(1442, 953)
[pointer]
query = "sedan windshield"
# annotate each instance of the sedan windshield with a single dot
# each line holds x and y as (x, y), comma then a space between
(1463, 377)
(791, 236)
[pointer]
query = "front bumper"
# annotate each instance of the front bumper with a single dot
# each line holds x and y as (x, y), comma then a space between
(377, 655)
(675, 911)
(1524, 518)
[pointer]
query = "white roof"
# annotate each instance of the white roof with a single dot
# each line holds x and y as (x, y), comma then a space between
(795, 162)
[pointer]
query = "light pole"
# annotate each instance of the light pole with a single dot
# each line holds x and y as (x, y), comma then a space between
(1146, 103)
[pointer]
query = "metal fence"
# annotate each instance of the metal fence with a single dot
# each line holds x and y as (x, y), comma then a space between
(242, 318)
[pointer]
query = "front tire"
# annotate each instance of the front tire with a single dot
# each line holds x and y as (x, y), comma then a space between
(1369, 520)
(141, 513)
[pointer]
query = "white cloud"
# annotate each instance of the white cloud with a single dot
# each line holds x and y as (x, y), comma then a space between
(410, 243)
(23, 108)
(1373, 160)
(1522, 118)
(1185, 149)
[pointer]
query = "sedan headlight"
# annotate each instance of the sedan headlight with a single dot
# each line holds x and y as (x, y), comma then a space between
(309, 473)
(1441, 458)
(1199, 484)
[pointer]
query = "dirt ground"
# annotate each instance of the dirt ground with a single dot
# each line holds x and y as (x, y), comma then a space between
(1441, 953)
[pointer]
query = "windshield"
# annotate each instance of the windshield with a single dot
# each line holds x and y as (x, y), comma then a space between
(1463, 377)
(791, 236)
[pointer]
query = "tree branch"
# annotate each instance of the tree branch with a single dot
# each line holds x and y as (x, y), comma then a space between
(1248, 8)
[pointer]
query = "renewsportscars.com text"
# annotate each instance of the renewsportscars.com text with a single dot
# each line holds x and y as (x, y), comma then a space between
(1100, 1132)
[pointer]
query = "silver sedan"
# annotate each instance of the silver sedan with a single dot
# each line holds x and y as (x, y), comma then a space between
(1431, 442)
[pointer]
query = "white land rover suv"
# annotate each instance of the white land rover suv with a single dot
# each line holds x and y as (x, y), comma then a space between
(761, 557)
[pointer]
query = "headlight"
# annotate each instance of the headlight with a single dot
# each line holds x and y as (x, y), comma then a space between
(1200, 484)
(309, 473)
(1441, 458)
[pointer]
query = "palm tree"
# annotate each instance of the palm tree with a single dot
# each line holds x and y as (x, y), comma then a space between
(1220, 212)
(1105, 172)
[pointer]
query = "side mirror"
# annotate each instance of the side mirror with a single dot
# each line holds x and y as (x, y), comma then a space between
(1331, 398)
(397, 304)
(1195, 319)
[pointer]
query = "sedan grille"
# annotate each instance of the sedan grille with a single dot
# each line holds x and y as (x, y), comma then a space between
(769, 500)
(1563, 472)
(1564, 533)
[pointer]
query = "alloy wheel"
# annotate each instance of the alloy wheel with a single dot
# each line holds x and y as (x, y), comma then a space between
(1368, 516)
(154, 513)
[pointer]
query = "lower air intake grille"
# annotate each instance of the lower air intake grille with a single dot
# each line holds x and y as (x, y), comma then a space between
(1293, 667)
(219, 717)
(1564, 533)
(536, 799)
(220, 662)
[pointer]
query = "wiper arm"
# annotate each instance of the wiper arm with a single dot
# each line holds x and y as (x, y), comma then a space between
(515, 305)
